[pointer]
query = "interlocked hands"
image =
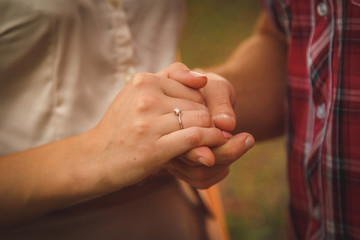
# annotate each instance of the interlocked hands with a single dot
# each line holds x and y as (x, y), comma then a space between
(140, 134)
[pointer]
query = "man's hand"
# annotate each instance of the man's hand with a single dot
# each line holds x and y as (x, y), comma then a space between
(219, 97)
(202, 177)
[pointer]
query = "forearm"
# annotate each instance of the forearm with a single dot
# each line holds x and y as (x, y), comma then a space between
(119, 151)
(257, 71)
(47, 178)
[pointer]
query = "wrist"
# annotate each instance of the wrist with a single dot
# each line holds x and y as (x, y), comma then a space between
(84, 176)
(102, 171)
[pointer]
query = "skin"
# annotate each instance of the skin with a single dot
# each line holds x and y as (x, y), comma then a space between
(138, 135)
(140, 122)
(255, 78)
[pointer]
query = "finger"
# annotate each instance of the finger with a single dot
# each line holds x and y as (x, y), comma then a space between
(220, 99)
(175, 89)
(171, 122)
(197, 173)
(182, 74)
(151, 82)
(198, 156)
(156, 115)
(168, 104)
(200, 178)
(233, 149)
(186, 139)
(188, 162)
(201, 155)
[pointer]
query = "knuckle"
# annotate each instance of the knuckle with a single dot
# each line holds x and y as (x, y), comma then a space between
(198, 97)
(216, 78)
(141, 126)
(143, 79)
(222, 101)
(230, 155)
(194, 137)
(235, 154)
(178, 65)
(146, 102)
(204, 118)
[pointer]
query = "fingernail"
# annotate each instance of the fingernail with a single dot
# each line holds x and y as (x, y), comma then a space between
(227, 135)
(196, 74)
(249, 142)
(223, 115)
(202, 161)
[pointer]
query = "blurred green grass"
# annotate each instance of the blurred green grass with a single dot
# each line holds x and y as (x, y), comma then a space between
(255, 192)
(214, 27)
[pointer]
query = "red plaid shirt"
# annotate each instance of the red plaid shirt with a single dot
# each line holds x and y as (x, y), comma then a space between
(324, 115)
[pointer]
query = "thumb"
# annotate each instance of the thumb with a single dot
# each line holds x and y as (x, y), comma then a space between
(219, 96)
(181, 73)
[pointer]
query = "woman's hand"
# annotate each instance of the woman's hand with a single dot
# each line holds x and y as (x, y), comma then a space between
(140, 133)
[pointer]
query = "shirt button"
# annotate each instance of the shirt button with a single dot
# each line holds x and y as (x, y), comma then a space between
(321, 111)
(308, 60)
(316, 212)
(322, 9)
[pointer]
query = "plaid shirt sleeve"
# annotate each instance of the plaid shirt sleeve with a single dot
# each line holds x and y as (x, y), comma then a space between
(323, 115)
(278, 13)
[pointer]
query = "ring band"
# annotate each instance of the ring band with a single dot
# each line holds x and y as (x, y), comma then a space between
(178, 113)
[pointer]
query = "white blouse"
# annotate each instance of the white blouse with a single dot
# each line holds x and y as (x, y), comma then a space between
(61, 64)
(63, 61)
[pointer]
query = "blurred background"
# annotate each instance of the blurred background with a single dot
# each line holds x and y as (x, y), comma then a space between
(255, 192)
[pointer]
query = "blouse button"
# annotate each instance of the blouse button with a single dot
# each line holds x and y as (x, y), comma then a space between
(129, 75)
(115, 3)
(322, 9)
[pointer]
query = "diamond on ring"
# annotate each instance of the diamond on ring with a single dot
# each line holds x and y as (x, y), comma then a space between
(177, 112)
